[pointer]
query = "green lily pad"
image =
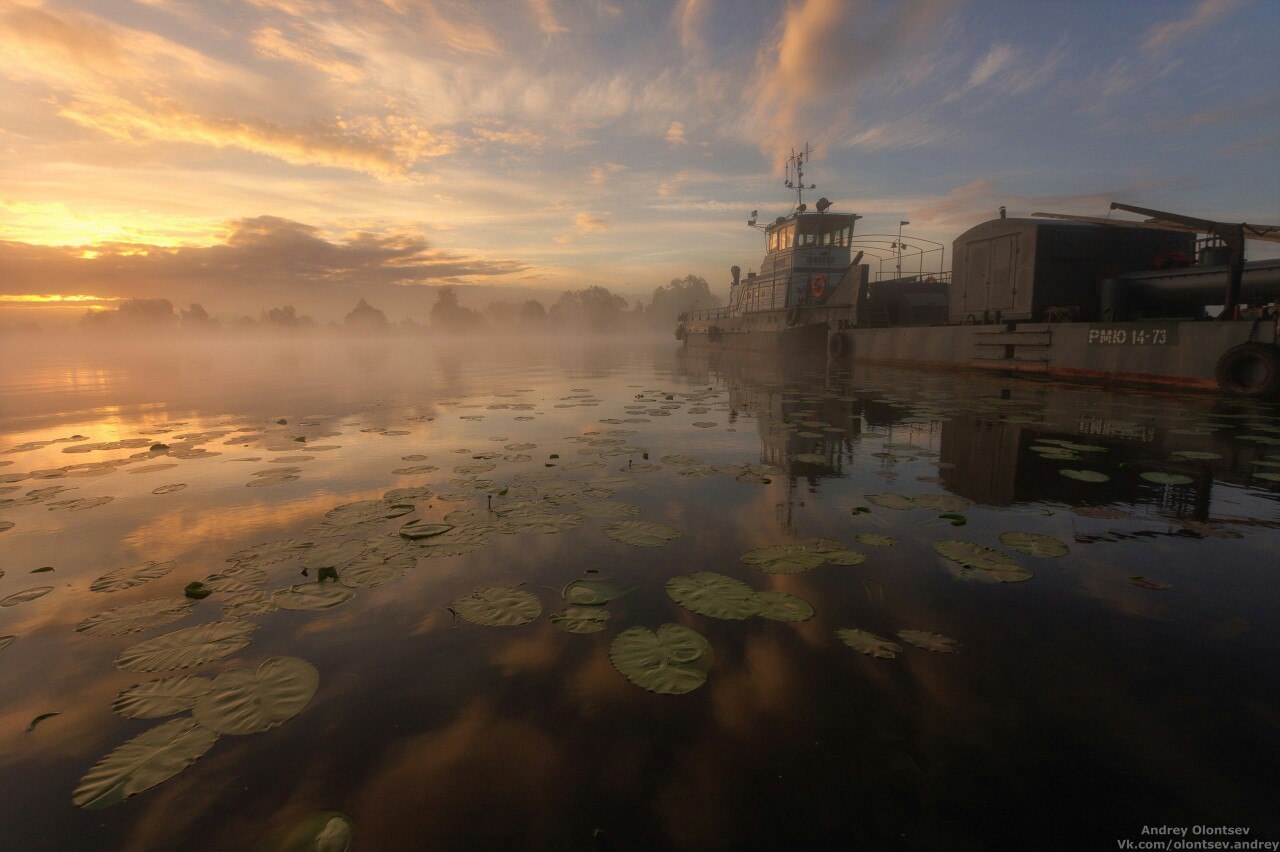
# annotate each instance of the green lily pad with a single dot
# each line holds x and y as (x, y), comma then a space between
(875, 540)
(146, 760)
(974, 556)
(784, 558)
(593, 590)
(1084, 475)
(780, 606)
(498, 607)
(809, 458)
(245, 702)
(1162, 478)
(188, 647)
(844, 557)
(930, 641)
(641, 533)
(326, 831)
(162, 697)
(1144, 583)
(130, 575)
(866, 642)
(134, 617)
(312, 597)
(375, 569)
(415, 530)
(942, 502)
(236, 579)
(890, 500)
(1034, 544)
(26, 595)
(581, 619)
(604, 509)
(671, 661)
(714, 595)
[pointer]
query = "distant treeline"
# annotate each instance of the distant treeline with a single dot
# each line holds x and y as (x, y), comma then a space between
(593, 309)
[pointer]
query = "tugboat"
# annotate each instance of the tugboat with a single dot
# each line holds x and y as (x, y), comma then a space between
(1169, 300)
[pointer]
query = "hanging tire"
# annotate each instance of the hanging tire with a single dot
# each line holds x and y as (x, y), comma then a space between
(793, 317)
(713, 334)
(839, 346)
(681, 332)
(1250, 369)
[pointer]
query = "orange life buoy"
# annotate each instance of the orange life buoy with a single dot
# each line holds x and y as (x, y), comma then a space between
(818, 286)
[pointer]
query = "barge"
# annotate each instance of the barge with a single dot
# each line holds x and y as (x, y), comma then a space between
(1169, 300)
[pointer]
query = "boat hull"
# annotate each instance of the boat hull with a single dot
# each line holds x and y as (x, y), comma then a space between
(1181, 354)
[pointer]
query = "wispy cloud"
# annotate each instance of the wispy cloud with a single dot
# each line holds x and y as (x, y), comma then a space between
(1200, 16)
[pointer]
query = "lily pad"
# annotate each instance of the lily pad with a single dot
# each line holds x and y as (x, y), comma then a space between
(875, 540)
(889, 500)
(312, 597)
(1084, 475)
(143, 762)
(866, 642)
(671, 661)
(942, 502)
(593, 590)
(26, 595)
(715, 595)
(326, 831)
(246, 702)
(376, 569)
(780, 606)
(1162, 478)
(784, 558)
(415, 531)
(641, 533)
(1034, 544)
(236, 579)
(581, 619)
(844, 557)
(930, 641)
(163, 697)
(969, 555)
(608, 510)
(188, 647)
(130, 575)
(1144, 583)
(498, 607)
(134, 617)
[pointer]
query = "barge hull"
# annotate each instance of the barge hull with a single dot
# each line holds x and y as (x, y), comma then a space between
(1178, 354)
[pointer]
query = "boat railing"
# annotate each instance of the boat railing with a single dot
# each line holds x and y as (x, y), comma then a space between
(706, 314)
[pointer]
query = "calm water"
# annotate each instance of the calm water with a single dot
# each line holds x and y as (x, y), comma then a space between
(1081, 705)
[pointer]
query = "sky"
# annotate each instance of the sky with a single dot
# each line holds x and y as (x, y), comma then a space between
(246, 154)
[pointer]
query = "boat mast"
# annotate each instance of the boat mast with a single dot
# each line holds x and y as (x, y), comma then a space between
(795, 175)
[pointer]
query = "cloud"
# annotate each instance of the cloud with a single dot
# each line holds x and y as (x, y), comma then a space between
(997, 58)
(601, 174)
(385, 148)
(262, 262)
(979, 200)
(810, 73)
(675, 133)
(589, 223)
(1202, 15)
(546, 17)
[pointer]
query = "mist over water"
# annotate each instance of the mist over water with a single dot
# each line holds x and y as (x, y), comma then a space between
(1079, 696)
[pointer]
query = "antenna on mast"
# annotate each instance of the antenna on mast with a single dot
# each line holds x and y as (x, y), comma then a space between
(795, 175)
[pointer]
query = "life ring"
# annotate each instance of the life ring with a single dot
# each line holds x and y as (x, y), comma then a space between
(931, 280)
(818, 285)
(793, 317)
(1250, 369)
(838, 346)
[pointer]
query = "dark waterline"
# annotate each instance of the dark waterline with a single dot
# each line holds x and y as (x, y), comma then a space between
(1080, 707)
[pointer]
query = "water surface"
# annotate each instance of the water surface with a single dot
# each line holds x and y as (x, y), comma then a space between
(1082, 704)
